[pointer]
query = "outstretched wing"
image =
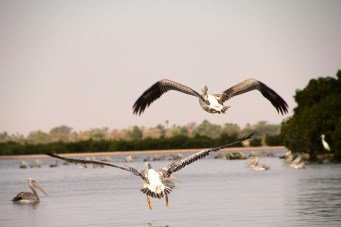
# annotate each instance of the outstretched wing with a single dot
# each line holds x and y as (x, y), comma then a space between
(253, 84)
(158, 89)
(124, 167)
(177, 165)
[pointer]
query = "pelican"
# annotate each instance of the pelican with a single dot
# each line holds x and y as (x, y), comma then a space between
(29, 197)
(129, 158)
(23, 165)
(253, 163)
(298, 163)
(324, 143)
(54, 165)
(156, 182)
(212, 103)
(37, 164)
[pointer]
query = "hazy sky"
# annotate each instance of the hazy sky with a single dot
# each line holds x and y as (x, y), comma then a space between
(84, 63)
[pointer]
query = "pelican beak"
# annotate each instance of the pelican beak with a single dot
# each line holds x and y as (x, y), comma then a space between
(37, 186)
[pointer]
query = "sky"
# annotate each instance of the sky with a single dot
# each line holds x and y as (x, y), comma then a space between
(84, 63)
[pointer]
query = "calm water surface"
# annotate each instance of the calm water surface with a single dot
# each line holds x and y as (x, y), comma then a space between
(213, 192)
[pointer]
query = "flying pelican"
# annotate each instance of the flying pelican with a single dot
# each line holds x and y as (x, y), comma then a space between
(324, 143)
(29, 197)
(156, 181)
(212, 103)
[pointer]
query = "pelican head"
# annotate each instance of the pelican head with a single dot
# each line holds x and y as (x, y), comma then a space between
(204, 90)
(34, 185)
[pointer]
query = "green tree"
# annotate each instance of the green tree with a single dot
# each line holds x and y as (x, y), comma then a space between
(135, 133)
(60, 133)
(38, 137)
(318, 112)
(208, 129)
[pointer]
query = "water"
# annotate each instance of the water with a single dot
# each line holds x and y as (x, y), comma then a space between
(213, 192)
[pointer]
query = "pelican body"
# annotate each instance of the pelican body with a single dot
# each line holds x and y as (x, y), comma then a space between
(29, 197)
(212, 103)
(157, 183)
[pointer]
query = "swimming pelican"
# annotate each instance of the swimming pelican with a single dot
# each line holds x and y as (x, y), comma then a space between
(156, 181)
(212, 103)
(54, 165)
(298, 163)
(23, 165)
(37, 164)
(29, 197)
(324, 143)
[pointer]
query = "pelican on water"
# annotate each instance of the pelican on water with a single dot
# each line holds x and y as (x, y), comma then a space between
(212, 103)
(157, 183)
(29, 197)
(324, 143)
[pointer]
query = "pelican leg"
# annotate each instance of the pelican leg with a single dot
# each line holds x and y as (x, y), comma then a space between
(149, 204)
(167, 201)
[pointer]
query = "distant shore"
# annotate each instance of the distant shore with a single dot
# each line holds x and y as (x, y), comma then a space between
(150, 152)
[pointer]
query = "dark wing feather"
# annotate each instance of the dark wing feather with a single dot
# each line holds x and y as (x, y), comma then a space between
(158, 89)
(177, 165)
(253, 84)
(73, 160)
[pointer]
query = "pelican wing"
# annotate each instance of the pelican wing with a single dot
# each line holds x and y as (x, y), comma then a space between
(177, 165)
(124, 167)
(158, 89)
(253, 84)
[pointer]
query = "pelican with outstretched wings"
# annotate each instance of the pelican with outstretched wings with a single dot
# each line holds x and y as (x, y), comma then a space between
(212, 103)
(157, 183)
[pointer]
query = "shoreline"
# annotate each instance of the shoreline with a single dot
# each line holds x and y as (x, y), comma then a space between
(152, 152)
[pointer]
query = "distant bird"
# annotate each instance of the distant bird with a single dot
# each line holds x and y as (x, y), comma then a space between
(29, 197)
(129, 158)
(253, 164)
(156, 181)
(37, 164)
(260, 167)
(23, 165)
(212, 103)
(252, 161)
(297, 163)
(54, 165)
(324, 143)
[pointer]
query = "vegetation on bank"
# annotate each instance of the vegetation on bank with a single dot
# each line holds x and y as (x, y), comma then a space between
(63, 139)
(318, 112)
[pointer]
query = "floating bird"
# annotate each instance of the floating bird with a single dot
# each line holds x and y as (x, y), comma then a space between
(297, 163)
(156, 181)
(23, 165)
(253, 163)
(129, 158)
(29, 197)
(212, 103)
(54, 165)
(37, 164)
(324, 143)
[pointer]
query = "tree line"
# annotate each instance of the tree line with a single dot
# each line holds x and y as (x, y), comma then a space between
(63, 139)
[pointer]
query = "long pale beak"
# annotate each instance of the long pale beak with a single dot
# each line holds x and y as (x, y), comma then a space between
(37, 186)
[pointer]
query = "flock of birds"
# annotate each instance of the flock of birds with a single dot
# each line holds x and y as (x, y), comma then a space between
(158, 183)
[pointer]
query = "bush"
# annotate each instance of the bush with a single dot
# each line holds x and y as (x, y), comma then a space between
(256, 142)
(273, 140)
